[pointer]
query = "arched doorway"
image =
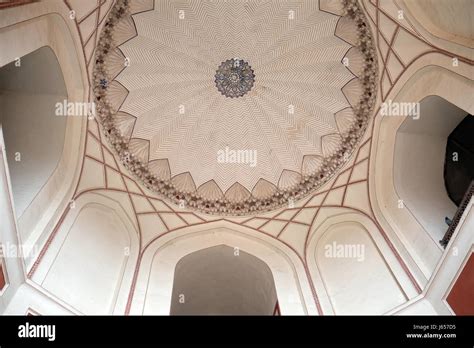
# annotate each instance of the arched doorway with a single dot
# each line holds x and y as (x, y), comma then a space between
(419, 161)
(154, 286)
(34, 136)
(222, 280)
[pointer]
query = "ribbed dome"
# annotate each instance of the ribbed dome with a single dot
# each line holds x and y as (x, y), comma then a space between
(177, 121)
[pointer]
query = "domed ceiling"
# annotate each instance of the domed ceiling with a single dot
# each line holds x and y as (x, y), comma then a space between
(232, 107)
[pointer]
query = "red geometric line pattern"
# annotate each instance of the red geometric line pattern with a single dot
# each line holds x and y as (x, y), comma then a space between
(303, 216)
(388, 32)
(89, 25)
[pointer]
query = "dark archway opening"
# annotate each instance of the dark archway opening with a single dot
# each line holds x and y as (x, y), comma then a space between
(459, 161)
(223, 281)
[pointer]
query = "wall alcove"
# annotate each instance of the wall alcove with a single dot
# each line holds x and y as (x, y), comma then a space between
(222, 281)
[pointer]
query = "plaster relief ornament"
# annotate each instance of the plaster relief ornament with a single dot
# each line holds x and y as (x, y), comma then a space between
(234, 78)
(292, 104)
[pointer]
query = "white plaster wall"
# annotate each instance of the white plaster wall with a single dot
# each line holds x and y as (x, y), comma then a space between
(414, 243)
(420, 149)
(372, 282)
(419, 306)
(40, 24)
(8, 234)
(28, 95)
(356, 229)
(447, 19)
(357, 284)
(433, 299)
(31, 298)
(89, 266)
(90, 263)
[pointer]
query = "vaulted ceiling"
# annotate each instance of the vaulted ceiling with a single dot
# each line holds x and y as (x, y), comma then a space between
(290, 132)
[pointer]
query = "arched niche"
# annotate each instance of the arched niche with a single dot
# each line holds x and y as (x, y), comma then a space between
(421, 249)
(154, 287)
(221, 280)
(91, 261)
(354, 270)
(447, 20)
(47, 24)
(33, 134)
(420, 149)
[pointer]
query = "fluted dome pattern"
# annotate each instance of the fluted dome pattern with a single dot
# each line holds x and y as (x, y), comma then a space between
(176, 122)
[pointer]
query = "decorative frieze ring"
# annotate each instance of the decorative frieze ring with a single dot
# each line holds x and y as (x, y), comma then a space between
(237, 200)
